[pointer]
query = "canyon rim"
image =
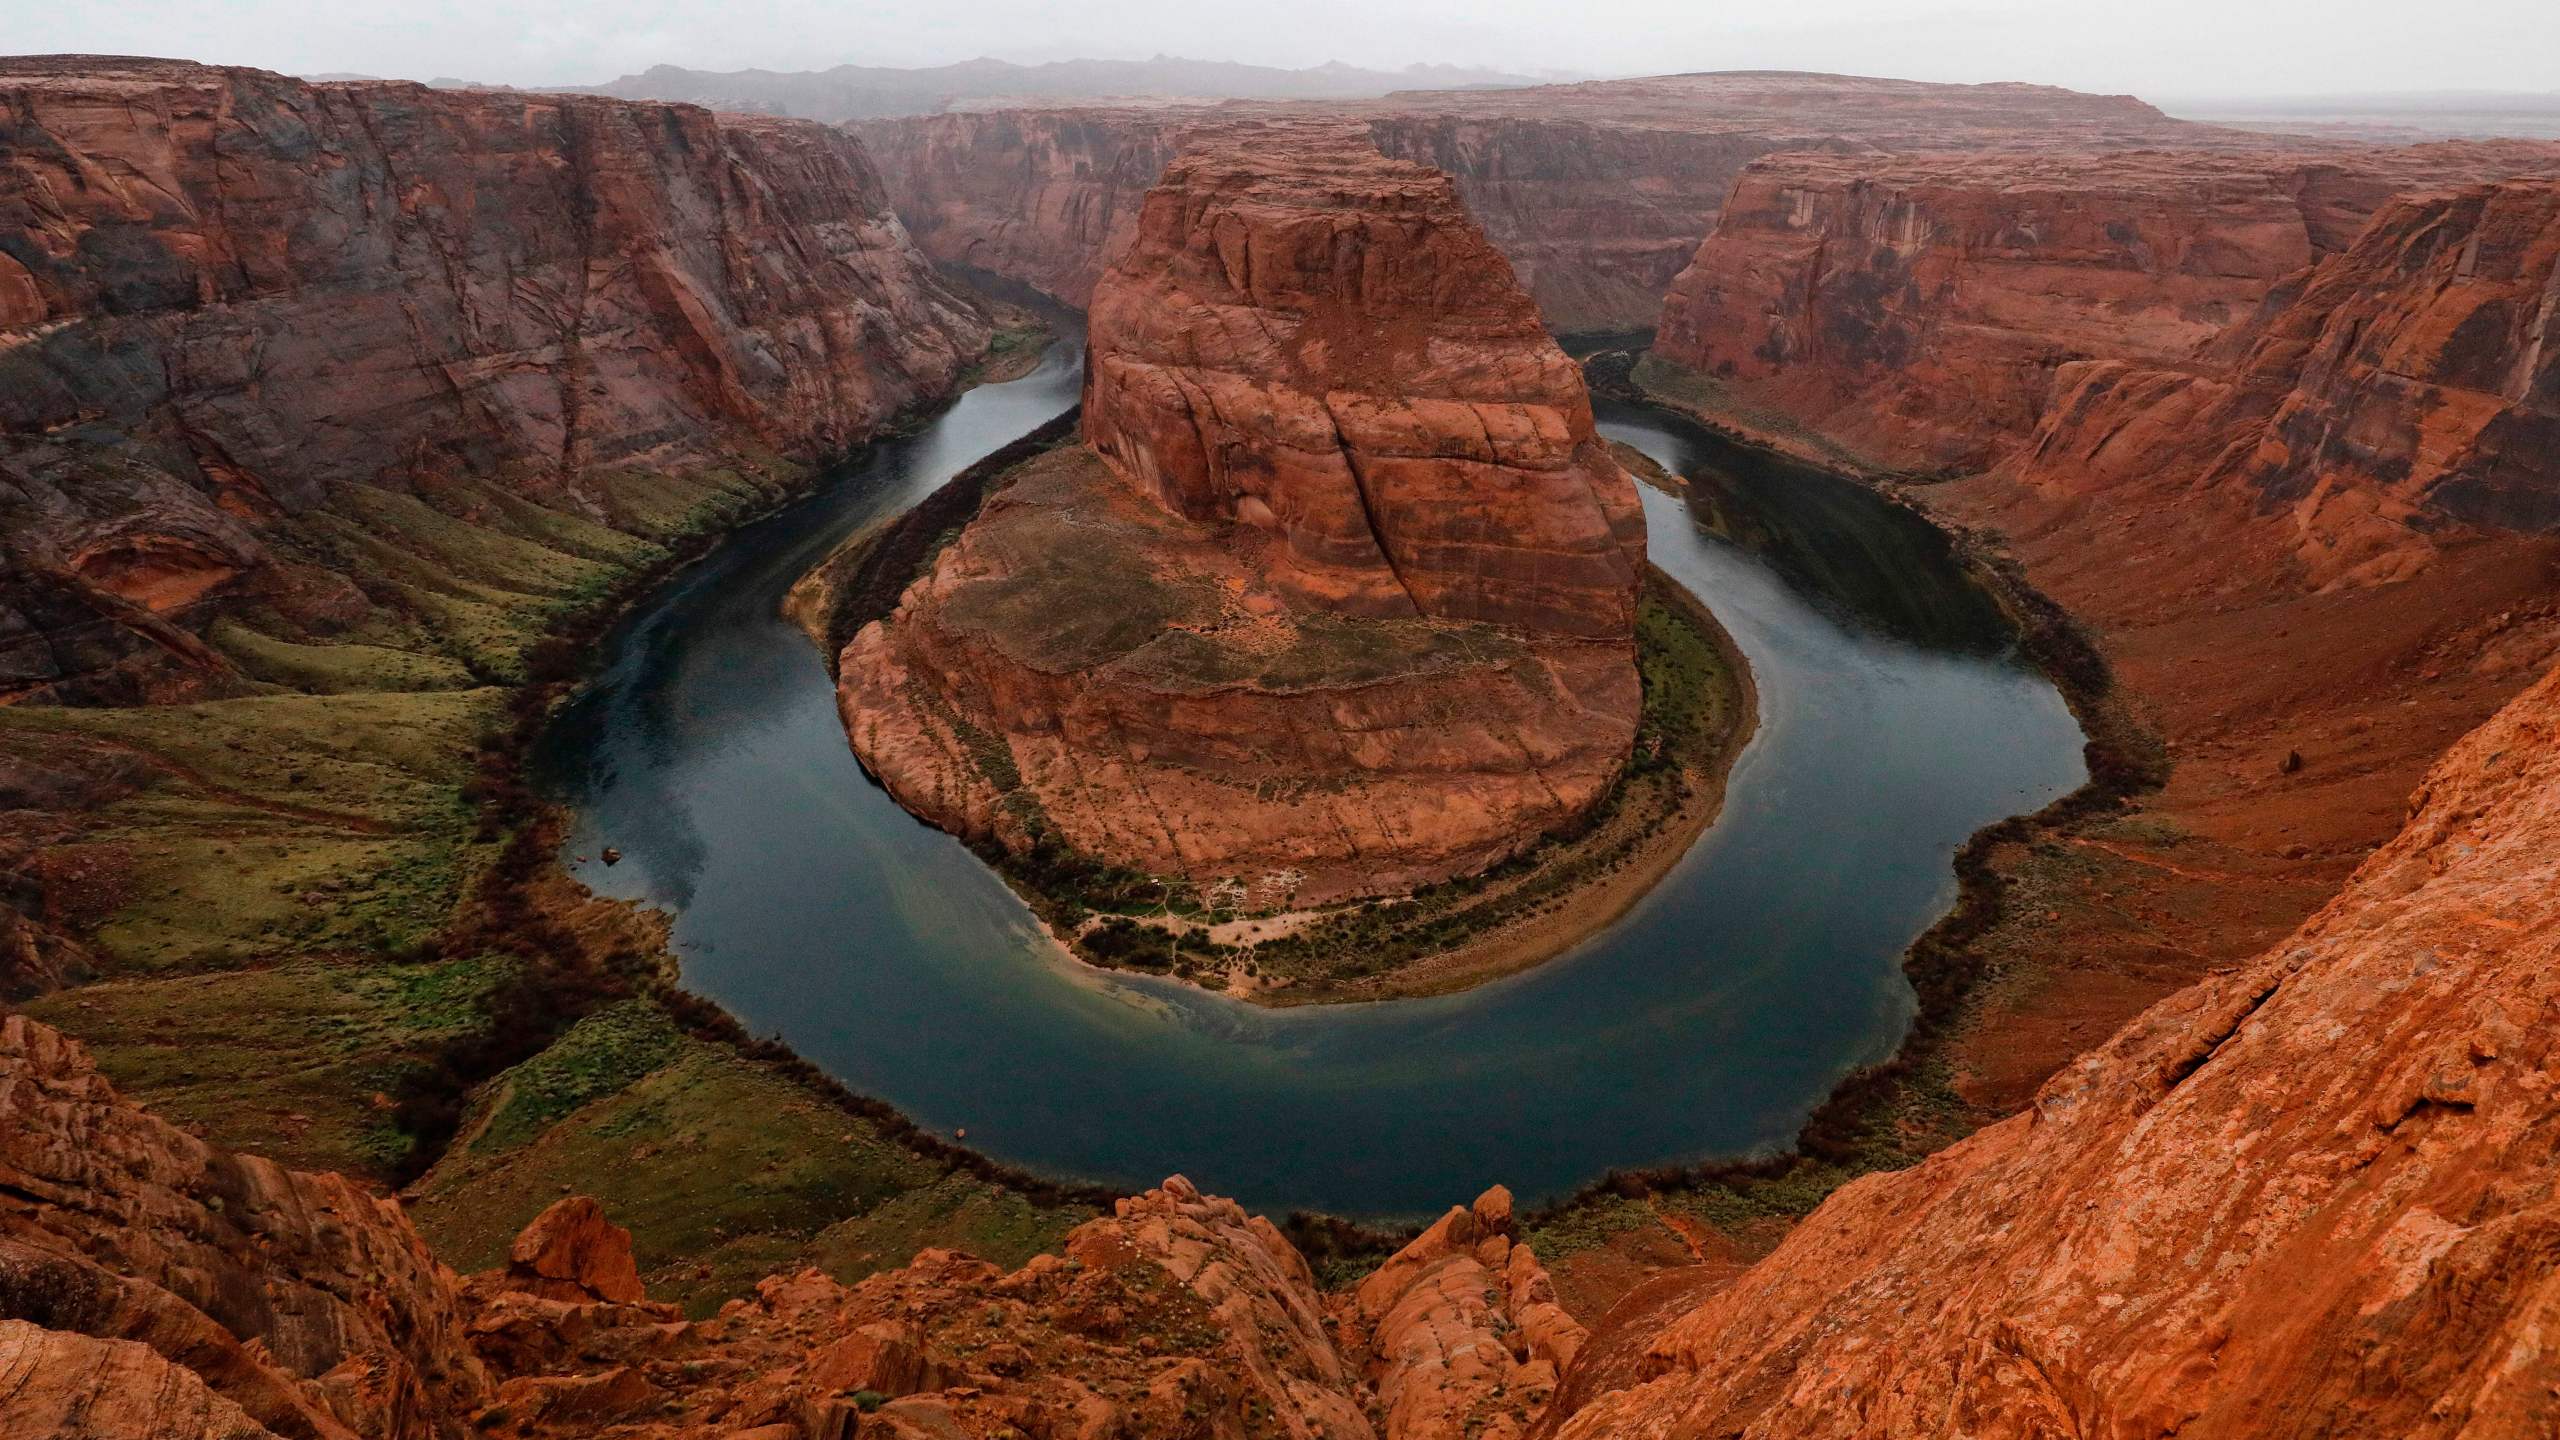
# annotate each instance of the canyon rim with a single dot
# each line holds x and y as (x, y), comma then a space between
(1301, 643)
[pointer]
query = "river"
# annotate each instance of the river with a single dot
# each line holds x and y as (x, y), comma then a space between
(1895, 721)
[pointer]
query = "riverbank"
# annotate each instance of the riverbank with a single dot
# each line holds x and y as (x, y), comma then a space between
(1638, 838)
(1698, 712)
(2249, 745)
(1707, 1221)
(344, 884)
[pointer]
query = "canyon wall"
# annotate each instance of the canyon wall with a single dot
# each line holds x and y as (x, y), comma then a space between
(226, 295)
(2313, 1195)
(1598, 194)
(1043, 197)
(1341, 599)
(2398, 395)
(1916, 308)
(153, 1287)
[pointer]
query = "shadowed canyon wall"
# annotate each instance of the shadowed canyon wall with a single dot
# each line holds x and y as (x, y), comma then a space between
(1916, 308)
(1341, 599)
(1598, 194)
(227, 296)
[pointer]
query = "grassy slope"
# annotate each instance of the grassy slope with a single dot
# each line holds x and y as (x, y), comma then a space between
(273, 913)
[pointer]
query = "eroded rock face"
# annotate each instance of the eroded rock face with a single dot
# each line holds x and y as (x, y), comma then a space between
(1341, 598)
(225, 293)
(155, 1288)
(60, 1384)
(2311, 1196)
(126, 1229)
(1315, 344)
(2398, 393)
(1460, 1331)
(572, 1252)
(1598, 193)
(1917, 308)
(1045, 197)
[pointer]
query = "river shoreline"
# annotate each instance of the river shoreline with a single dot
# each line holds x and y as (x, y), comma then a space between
(1894, 1113)
(1595, 906)
(1638, 836)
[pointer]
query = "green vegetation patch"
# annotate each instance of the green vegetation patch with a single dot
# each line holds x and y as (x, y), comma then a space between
(286, 1060)
(722, 1170)
(278, 824)
(336, 669)
(602, 1055)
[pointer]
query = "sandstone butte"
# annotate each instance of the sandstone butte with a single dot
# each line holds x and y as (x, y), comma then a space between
(1916, 308)
(235, 305)
(1597, 193)
(153, 1287)
(1341, 597)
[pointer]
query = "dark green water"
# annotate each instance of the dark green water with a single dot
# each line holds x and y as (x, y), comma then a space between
(1708, 1022)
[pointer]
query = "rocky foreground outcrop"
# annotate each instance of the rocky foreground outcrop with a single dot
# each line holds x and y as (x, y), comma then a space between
(1341, 597)
(2314, 1195)
(226, 296)
(1917, 308)
(153, 1286)
(1597, 193)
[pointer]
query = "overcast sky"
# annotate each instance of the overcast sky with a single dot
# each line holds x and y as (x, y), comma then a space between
(2157, 48)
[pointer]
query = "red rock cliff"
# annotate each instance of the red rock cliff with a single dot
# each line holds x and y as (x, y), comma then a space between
(2399, 394)
(1917, 308)
(224, 293)
(1315, 343)
(1342, 597)
(1044, 197)
(2314, 1195)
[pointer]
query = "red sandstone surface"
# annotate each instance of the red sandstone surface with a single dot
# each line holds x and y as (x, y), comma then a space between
(2307, 1197)
(2304, 626)
(2310, 1196)
(1345, 604)
(1917, 308)
(2401, 390)
(153, 1286)
(227, 294)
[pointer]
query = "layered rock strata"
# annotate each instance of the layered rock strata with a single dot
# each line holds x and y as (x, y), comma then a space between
(225, 295)
(1341, 597)
(1917, 308)
(2313, 1195)
(1598, 194)
(2399, 394)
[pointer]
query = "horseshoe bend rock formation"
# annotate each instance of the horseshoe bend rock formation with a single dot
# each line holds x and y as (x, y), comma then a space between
(229, 298)
(1917, 307)
(1341, 598)
(154, 1286)
(2313, 1195)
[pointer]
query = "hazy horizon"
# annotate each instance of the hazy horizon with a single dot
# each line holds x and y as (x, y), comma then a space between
(2171, 50)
